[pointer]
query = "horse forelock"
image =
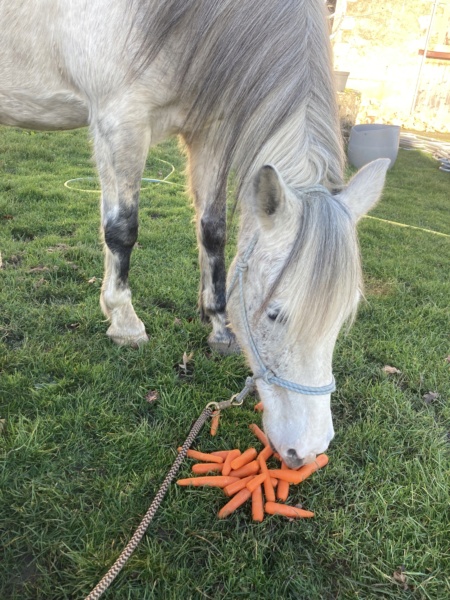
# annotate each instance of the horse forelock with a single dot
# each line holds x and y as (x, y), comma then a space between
(254, 78)
(321, 277)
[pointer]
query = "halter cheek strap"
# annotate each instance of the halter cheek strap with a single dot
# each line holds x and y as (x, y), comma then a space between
(266, 374)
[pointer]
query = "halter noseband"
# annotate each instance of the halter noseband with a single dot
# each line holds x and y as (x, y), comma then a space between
(266, 374)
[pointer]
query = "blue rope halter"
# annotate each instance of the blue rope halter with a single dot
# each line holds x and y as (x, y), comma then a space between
(266, 374)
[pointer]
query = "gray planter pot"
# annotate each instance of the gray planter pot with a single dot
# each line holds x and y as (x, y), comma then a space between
(340, 79)
(369, 142)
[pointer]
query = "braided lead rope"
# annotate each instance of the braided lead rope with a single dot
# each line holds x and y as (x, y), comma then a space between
(236, 400)
(104, 584)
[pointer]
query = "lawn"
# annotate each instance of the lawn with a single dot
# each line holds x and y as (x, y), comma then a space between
(84, 451)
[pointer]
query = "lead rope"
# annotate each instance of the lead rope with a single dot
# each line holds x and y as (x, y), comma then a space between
(104, 584)
(235, 400)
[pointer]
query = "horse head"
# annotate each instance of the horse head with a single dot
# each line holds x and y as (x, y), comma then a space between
(294, 282)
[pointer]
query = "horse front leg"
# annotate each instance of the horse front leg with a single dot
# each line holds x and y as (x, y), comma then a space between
(120, 153)
(210, 207)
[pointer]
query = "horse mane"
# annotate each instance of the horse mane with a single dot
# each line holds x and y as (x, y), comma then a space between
(322, 273)
(257, 74)
(256, 79)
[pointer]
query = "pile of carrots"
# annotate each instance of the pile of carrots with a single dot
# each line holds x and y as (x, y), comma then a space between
(246, 476)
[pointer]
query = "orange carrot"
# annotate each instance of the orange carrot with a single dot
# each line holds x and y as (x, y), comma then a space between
(227, 462)
(274, 508)
(259, 407)
(237, 486)
(251, 468)
(274, 482)
(203, 468)
(234, 503)
(283, 486)
(212, 481)
(290, 475)
(259, 434)
(256, 481)
(257, 504)
(243, 459)
(222, 453)
(203, 456)
(266, 453)
(268, 487)
(303, 473)
(215, 422)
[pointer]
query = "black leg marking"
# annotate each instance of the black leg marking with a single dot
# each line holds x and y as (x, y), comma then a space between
(213, 234)
(120, 237)
(218, 281)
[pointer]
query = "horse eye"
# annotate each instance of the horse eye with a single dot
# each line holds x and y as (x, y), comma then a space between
(274, 315)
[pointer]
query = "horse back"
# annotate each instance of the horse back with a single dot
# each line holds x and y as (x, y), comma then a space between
(64, 62)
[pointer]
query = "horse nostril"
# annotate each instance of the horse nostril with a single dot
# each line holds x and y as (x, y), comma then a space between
(292, 459)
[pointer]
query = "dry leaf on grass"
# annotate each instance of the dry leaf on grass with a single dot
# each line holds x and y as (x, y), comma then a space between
(391, 370)
(184, 369)
(39, 269)
(400, 577)
(152, 396)
(186, 359)
(15, 259)
(39, 282)
(430, 397)
(447, 360)
(58, 248)
(92, 280)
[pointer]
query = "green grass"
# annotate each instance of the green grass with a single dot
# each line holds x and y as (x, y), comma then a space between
(84, 452)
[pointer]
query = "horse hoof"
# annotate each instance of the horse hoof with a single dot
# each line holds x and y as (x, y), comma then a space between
(224, 345)
(134, 341)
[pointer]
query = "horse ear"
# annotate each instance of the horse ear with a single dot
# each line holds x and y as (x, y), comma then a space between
(365, 188)
(269, 193)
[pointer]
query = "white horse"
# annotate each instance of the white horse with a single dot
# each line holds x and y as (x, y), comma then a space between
(248, 86)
